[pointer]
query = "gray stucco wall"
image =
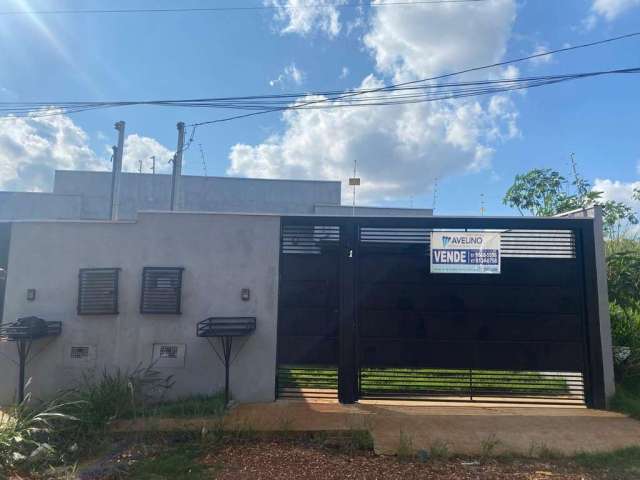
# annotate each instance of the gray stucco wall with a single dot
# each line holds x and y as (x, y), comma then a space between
(221, 254)
(41, 206)
(139, 192)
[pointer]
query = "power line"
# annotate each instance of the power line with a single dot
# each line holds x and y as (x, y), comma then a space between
(257, 104)
(231, 9)
(460, 72)
(416, 91)
(394, 94)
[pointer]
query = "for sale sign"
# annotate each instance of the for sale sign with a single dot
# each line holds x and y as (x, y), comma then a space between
(465, 252)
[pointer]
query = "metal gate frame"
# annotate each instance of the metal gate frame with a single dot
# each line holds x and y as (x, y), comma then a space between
(348, 365)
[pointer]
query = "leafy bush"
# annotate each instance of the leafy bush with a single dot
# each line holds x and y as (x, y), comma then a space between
(623, 272)
(28, 431)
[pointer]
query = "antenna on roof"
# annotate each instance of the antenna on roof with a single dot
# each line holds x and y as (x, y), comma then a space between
(482, 209)
(153, 164)
(435, 193)
(204, 163)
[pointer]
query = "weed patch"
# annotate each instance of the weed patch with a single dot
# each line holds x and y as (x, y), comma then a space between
(440, 450)
(627, 398)
(180, 463)
(405, 450)
(622, 459)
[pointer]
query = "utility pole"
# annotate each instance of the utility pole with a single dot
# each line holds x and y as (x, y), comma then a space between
(116, 170)
(139, 166)
(153, 164)
(482, 204)
(354, 182)
(177, 167)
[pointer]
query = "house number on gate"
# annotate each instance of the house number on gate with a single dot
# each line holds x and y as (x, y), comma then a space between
(465, 252)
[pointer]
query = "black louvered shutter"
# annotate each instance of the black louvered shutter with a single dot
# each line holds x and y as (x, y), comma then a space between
(161, 290)
(98, 291)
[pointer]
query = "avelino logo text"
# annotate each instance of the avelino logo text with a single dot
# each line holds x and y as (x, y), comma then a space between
(461, 241)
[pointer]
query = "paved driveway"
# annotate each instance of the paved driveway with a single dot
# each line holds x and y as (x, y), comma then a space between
(463, 429)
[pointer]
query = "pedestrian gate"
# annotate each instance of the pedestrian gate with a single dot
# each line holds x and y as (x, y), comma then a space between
(362, 317)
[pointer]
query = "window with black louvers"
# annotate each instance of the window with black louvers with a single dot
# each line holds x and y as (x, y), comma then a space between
(98, 291)
(161, 290)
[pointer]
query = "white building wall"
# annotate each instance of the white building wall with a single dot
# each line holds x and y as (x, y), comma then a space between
(39, 206)
(221, 254)
(140, 192)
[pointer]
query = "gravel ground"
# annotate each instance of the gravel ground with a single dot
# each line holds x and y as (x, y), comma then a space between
(275, 460)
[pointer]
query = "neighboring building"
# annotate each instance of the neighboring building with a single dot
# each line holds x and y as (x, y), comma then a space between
(86, 196)
(140, 192)
(39, 206)
(363, 211)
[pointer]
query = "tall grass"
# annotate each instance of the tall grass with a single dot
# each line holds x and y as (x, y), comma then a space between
(76, 421)
(28, 431)
(114, 394)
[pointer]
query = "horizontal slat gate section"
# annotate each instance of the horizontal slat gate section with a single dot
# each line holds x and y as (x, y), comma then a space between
(538, 244)
(308, 307)
(515, 337)
(98, 291)
(161, 290)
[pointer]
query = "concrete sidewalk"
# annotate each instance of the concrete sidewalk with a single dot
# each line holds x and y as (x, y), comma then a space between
(463, 429)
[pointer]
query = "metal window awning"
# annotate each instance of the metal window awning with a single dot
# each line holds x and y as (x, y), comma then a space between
(23, 332)
(226, 326)
(225, 329)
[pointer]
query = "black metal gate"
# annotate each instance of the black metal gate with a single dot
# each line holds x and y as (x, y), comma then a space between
(362, 316)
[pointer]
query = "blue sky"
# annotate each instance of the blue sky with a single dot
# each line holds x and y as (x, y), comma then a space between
(472, 147)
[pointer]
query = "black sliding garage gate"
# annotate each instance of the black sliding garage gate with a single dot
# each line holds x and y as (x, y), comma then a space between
(362, 317)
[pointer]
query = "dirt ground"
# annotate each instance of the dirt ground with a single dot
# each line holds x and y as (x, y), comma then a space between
(277, 460)
(309, 458)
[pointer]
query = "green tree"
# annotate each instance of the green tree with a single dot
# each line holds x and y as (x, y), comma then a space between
(545, 192)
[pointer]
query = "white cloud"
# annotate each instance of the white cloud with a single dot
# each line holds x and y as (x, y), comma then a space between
(617, 190)
(401, 149)
(304, 17)
(428, 40)
(344, 73)
(611, 9)
(290, 75)
(137, 148)
(541, 48)
(32, 148)
(607, 9)
(511, 72)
